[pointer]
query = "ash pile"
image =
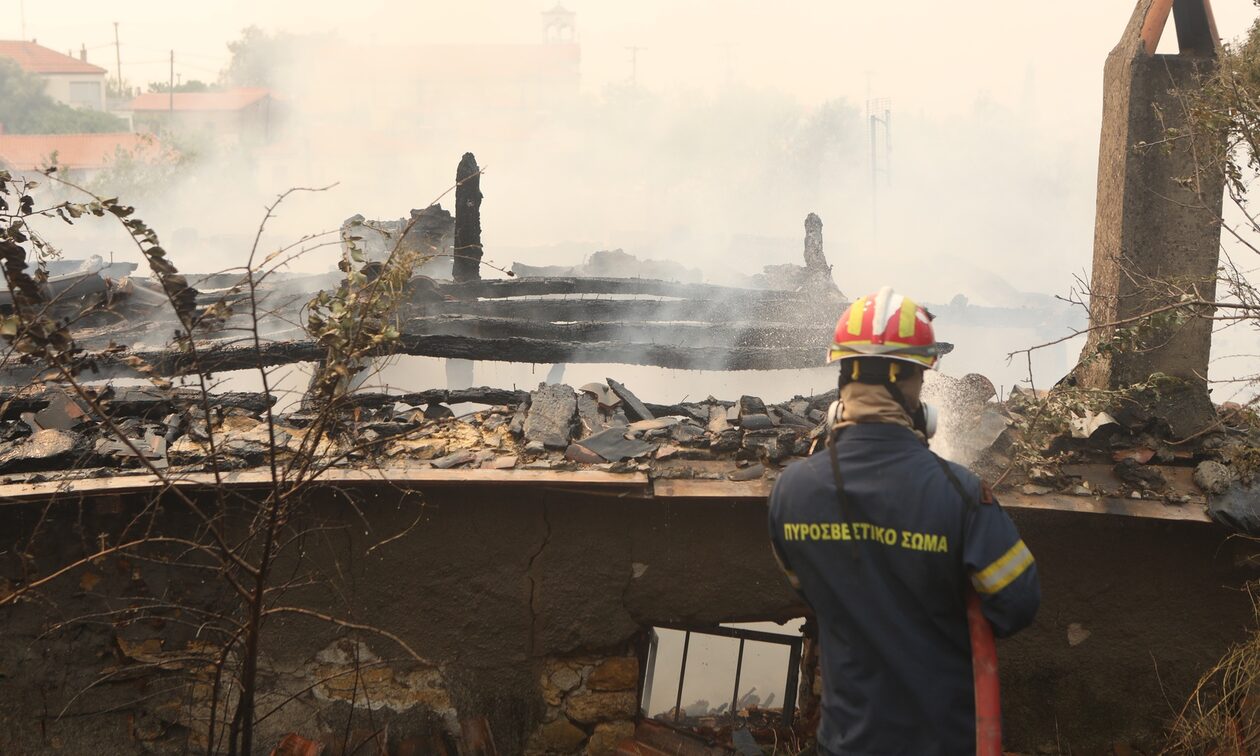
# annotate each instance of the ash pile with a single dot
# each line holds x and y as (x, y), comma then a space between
(753, 722)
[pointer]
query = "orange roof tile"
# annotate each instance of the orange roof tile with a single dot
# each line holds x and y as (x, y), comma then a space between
(232, 99)
(30, 152)
(38, 59)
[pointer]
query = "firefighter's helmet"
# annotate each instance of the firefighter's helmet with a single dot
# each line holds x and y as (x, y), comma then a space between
(888, 326)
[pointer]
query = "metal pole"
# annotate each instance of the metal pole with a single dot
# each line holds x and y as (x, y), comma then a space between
(649, 672)
(793, 683)
(682, 673)
(634, 65)
(888, 146)
(739, 666)
(171, 90)
(874, 181)
(118, 60)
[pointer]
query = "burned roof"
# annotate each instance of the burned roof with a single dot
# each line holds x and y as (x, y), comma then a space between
(91, 434)
(600, 436)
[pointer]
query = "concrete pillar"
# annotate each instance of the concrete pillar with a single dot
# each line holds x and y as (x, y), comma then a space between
(1152, 235)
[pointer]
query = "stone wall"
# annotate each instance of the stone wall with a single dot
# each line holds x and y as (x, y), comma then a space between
(591, 704)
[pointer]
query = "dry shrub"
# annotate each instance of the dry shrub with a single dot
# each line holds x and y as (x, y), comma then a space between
(1222, 716)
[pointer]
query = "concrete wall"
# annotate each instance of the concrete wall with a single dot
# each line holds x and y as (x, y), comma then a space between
(59, 86)
(1154, 238)
(516, 597)
(250, 125)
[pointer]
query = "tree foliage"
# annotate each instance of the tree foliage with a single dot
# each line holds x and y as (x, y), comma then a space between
(26, 108)
(255, 58)
(219, 685)
(146, 171)
(192, 85)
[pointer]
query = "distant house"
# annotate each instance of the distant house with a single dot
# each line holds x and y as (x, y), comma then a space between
(70, 80)
(77, 156)
(232, 116)
(513, 79)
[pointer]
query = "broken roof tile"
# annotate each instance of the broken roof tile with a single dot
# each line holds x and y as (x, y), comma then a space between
(635, 409)
(549, 420)
(613, 445)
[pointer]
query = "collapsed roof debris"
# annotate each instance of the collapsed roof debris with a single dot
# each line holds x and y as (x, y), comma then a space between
(612, 263)
(1107, 466)
(1060, 443)
(431, 230)
(603, 426)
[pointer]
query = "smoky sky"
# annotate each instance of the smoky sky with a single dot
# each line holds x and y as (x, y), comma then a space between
(700, 132)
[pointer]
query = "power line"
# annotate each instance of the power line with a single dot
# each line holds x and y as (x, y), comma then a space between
(147, 48)
(195, 67)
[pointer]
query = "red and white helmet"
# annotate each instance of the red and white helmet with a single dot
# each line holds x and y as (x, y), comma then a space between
(888, 325)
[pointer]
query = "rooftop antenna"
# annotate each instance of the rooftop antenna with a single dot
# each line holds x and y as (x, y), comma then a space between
(22, 13)
(634, 65)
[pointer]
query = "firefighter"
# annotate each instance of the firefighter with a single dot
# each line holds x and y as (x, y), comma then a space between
(884, 540)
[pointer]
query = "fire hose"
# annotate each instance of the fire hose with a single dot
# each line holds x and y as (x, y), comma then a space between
(984, 669)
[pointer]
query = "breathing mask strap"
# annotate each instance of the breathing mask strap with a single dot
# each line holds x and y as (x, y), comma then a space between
(844, 504)
(918, 416)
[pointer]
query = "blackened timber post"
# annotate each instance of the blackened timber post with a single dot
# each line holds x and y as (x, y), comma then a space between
(467, 263)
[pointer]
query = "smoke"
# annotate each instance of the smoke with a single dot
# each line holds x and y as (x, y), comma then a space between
(712, 160)
(721, 176)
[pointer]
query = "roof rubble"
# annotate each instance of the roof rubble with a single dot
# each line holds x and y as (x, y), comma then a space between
(50, 435)
(1069, 442)
(47, 433)
(1023, 444)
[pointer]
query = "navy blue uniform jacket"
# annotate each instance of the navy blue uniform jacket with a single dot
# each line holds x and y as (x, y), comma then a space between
(888, 587)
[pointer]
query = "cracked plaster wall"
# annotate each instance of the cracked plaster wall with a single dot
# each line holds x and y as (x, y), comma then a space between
(501, 587)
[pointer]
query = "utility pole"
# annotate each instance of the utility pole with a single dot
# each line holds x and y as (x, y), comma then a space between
(634, 65)
(171, 90)
(118, 60)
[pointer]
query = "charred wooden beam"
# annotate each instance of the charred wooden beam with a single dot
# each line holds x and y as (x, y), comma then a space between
(243, 356)
(467, 264)
(522, 287)
(702, 311)
(728, 335)
(478, 395)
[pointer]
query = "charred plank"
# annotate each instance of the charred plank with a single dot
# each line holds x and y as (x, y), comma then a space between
(579, 310)
(478, 395)
(244, 357)
(730, 334)
(523, 287)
